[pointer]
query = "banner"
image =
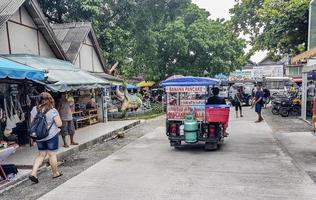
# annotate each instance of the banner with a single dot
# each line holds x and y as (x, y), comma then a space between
(198, 89)
(192, 102)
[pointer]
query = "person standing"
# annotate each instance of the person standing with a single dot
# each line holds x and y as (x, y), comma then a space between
(266, 96)
(258, 103)
(238, 102)
(68, 128)
(48, 145)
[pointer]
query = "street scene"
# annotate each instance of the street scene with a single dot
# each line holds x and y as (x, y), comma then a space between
(166, 99)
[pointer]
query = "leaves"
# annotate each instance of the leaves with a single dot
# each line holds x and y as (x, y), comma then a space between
(156, 38)
(279, 26)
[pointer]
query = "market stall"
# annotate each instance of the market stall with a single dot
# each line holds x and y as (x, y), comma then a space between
(17, 96)
(85, 91)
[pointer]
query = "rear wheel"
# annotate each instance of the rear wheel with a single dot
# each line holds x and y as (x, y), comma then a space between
(284, 112)
(275, 111)
(296, 110)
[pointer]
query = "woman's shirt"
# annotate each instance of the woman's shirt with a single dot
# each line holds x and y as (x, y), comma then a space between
(50, 115)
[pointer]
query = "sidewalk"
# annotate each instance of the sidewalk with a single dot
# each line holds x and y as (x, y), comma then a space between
(86, 137)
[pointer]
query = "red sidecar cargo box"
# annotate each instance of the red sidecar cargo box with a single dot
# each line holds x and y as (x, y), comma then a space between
(217, 113)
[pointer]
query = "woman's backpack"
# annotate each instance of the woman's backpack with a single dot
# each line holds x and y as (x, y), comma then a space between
(39, 127)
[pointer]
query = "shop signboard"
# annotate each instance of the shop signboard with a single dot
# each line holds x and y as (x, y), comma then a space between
(268, 71)
(196, 89)
(241, 75)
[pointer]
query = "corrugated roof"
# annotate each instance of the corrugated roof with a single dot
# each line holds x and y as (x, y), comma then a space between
(8, 8)
(72, 35)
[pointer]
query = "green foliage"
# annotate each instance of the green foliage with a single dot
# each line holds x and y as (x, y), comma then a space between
(279, 26)
(156, 38)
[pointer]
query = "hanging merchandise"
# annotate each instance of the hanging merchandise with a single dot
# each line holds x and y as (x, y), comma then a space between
(22, 114)
(14, 112)
(10, 122)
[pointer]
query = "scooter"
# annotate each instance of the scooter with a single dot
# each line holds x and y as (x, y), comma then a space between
(288, 107)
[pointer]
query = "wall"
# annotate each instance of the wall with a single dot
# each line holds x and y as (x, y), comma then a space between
(21, 35)
(88, 59)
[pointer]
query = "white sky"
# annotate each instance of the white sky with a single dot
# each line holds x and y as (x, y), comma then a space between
(220, 9)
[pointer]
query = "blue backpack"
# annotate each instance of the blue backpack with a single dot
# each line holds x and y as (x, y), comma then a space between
(39, 127)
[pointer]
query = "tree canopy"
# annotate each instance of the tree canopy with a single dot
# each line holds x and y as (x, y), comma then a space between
(155, 38)
(279, 26)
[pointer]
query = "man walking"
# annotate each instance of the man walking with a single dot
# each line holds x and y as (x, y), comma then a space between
(258, 103)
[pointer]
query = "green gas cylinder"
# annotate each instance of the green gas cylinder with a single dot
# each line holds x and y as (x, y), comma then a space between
(190, 129)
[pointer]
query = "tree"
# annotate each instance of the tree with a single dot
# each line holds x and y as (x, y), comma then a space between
(156, 38)
(279, 26)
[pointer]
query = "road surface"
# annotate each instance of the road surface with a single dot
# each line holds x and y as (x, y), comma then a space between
(250, 165)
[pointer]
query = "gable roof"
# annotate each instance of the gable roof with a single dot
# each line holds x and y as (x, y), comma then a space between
(72, 35)
(9, 7)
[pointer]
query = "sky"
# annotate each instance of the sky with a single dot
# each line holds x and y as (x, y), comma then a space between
(220, 9)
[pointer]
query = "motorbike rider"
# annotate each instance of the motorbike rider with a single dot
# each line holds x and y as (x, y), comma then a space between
(215, 99)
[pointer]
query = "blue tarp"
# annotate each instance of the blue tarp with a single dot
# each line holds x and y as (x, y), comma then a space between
(15, 70)
(191, 81)
(131, 87)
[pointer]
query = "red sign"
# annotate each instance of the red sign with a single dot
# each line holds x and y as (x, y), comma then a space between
(179, 112)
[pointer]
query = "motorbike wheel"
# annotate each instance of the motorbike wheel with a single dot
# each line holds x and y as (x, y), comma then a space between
(275, 111)
(296, 110)
(284, 112)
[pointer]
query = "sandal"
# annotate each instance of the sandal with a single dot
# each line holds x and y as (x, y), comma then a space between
(74, 143)
(33, 179)
(59, 175)
(66, 145)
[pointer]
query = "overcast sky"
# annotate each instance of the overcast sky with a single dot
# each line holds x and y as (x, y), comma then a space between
(220, 9)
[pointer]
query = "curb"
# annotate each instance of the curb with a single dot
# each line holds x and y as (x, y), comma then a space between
(62, 155)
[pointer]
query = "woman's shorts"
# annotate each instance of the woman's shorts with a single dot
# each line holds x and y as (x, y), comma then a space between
(258, 108)
(68, 128)
(48, 145)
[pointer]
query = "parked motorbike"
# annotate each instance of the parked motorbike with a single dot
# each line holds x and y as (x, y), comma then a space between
(288, 107)
(277, 104)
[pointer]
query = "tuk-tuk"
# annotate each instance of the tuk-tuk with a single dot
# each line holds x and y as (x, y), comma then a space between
(189, 119)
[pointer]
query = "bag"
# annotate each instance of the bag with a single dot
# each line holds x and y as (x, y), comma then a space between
(39, 128)
(14, 113)
(9, 169)
(10, 123)
(22, 113)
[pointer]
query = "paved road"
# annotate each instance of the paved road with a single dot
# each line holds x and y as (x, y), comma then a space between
(250, 165)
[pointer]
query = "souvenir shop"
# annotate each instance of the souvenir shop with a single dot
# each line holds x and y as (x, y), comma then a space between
(18, 94)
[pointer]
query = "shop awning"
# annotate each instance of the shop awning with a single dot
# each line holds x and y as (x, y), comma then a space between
(61, 75)
(146, 84)
(132, 87)
(13, 70)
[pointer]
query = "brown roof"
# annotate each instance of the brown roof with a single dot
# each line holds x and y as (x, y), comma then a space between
(9, 7)
(72, 35)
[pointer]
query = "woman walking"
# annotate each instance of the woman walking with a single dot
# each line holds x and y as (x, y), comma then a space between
(49, 145)
(238, 102)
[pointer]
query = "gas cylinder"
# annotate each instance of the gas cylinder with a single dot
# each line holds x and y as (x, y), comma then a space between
(190, 129)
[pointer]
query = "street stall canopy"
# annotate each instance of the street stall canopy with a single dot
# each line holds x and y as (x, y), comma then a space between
(146, 84)
(15, 70)
(62, 76)
(132, 87)
(112, 79)
(190, 81)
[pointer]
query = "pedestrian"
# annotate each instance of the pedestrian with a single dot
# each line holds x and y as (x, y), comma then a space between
(266, 96)
(66, 109)
(238, 102)
(48, 145)
(258, 103)
(314, 114)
